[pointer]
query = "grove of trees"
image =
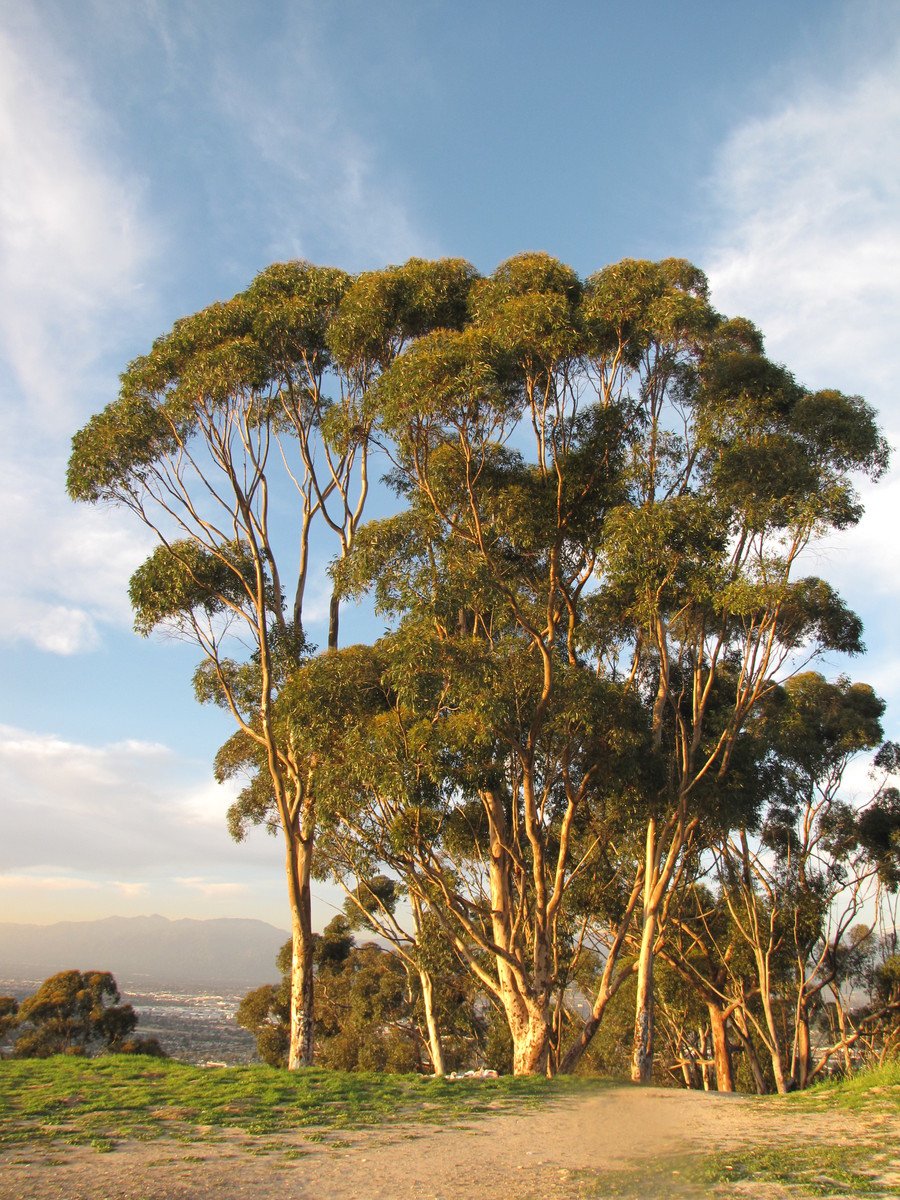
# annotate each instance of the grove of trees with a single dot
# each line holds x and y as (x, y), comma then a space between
(590, 757)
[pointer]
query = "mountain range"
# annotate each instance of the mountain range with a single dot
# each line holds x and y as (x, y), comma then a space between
(146, 953)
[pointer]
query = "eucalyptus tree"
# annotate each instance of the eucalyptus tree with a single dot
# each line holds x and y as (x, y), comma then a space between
(242, 426)
(78, 1012)
(606, 482)
(735, 468)
(510, 467)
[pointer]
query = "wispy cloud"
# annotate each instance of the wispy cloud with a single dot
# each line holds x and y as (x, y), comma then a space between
(92, 811)
(125, 827)
(72, 563)
(810, 242)
(74, 246)
(47, 883)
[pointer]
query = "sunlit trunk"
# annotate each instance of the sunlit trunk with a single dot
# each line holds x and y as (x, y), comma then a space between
(435, 1048)
(774, 1046)
(802, 1051)
(527, 1009)
(642, 1058)
(721, 1049)
(530, 1031)
(299, 862)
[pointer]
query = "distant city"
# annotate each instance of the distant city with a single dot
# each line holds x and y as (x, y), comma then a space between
(184, 978)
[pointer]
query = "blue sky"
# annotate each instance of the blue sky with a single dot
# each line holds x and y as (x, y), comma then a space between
(155, 155)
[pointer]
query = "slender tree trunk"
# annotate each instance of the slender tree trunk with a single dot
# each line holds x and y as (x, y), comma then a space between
(705, 1064)
(435, 1048)
(740, 1028)
(642, 1058)
(573, 1055)
(299, 863)
(721, 1049)
(334, 612)
(610, 982)
(774, 1046)
(842, 1026)
(803, 1052)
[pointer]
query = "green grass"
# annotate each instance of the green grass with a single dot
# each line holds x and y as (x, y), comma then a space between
(803, 1172)
(101, 1101)
(810, 1170)
(880, 1087)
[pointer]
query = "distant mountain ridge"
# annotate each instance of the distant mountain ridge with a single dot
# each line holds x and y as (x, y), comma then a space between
(146, 953)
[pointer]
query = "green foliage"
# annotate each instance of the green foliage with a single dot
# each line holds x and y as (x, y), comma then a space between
(382, 310)
(77, 1012)
(363, 1006)
(182, 577)
(606, 485)
(265, 1012)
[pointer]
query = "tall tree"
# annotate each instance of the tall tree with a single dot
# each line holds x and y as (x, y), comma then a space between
(240, 427)
(510, 468)
(620, 430)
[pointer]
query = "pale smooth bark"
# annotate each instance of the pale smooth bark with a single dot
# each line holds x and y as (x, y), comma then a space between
(435, 1046)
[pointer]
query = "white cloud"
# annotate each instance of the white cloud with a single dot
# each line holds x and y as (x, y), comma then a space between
(73, 239)
(811, 244)
(115, 813)
(72, 562)
(807, 244)
(129, 888)
(74, 245)
(127, 827)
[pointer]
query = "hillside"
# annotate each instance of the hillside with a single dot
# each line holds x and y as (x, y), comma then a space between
(146, 953)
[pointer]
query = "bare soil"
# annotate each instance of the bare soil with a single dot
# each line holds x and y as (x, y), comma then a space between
(561, 1151)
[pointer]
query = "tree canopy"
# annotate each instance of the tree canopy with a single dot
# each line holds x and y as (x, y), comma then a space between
(603, 492)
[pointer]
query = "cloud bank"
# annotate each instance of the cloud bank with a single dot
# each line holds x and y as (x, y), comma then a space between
(124, 821)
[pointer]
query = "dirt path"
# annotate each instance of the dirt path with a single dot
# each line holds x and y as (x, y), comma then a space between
(552, 1153)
